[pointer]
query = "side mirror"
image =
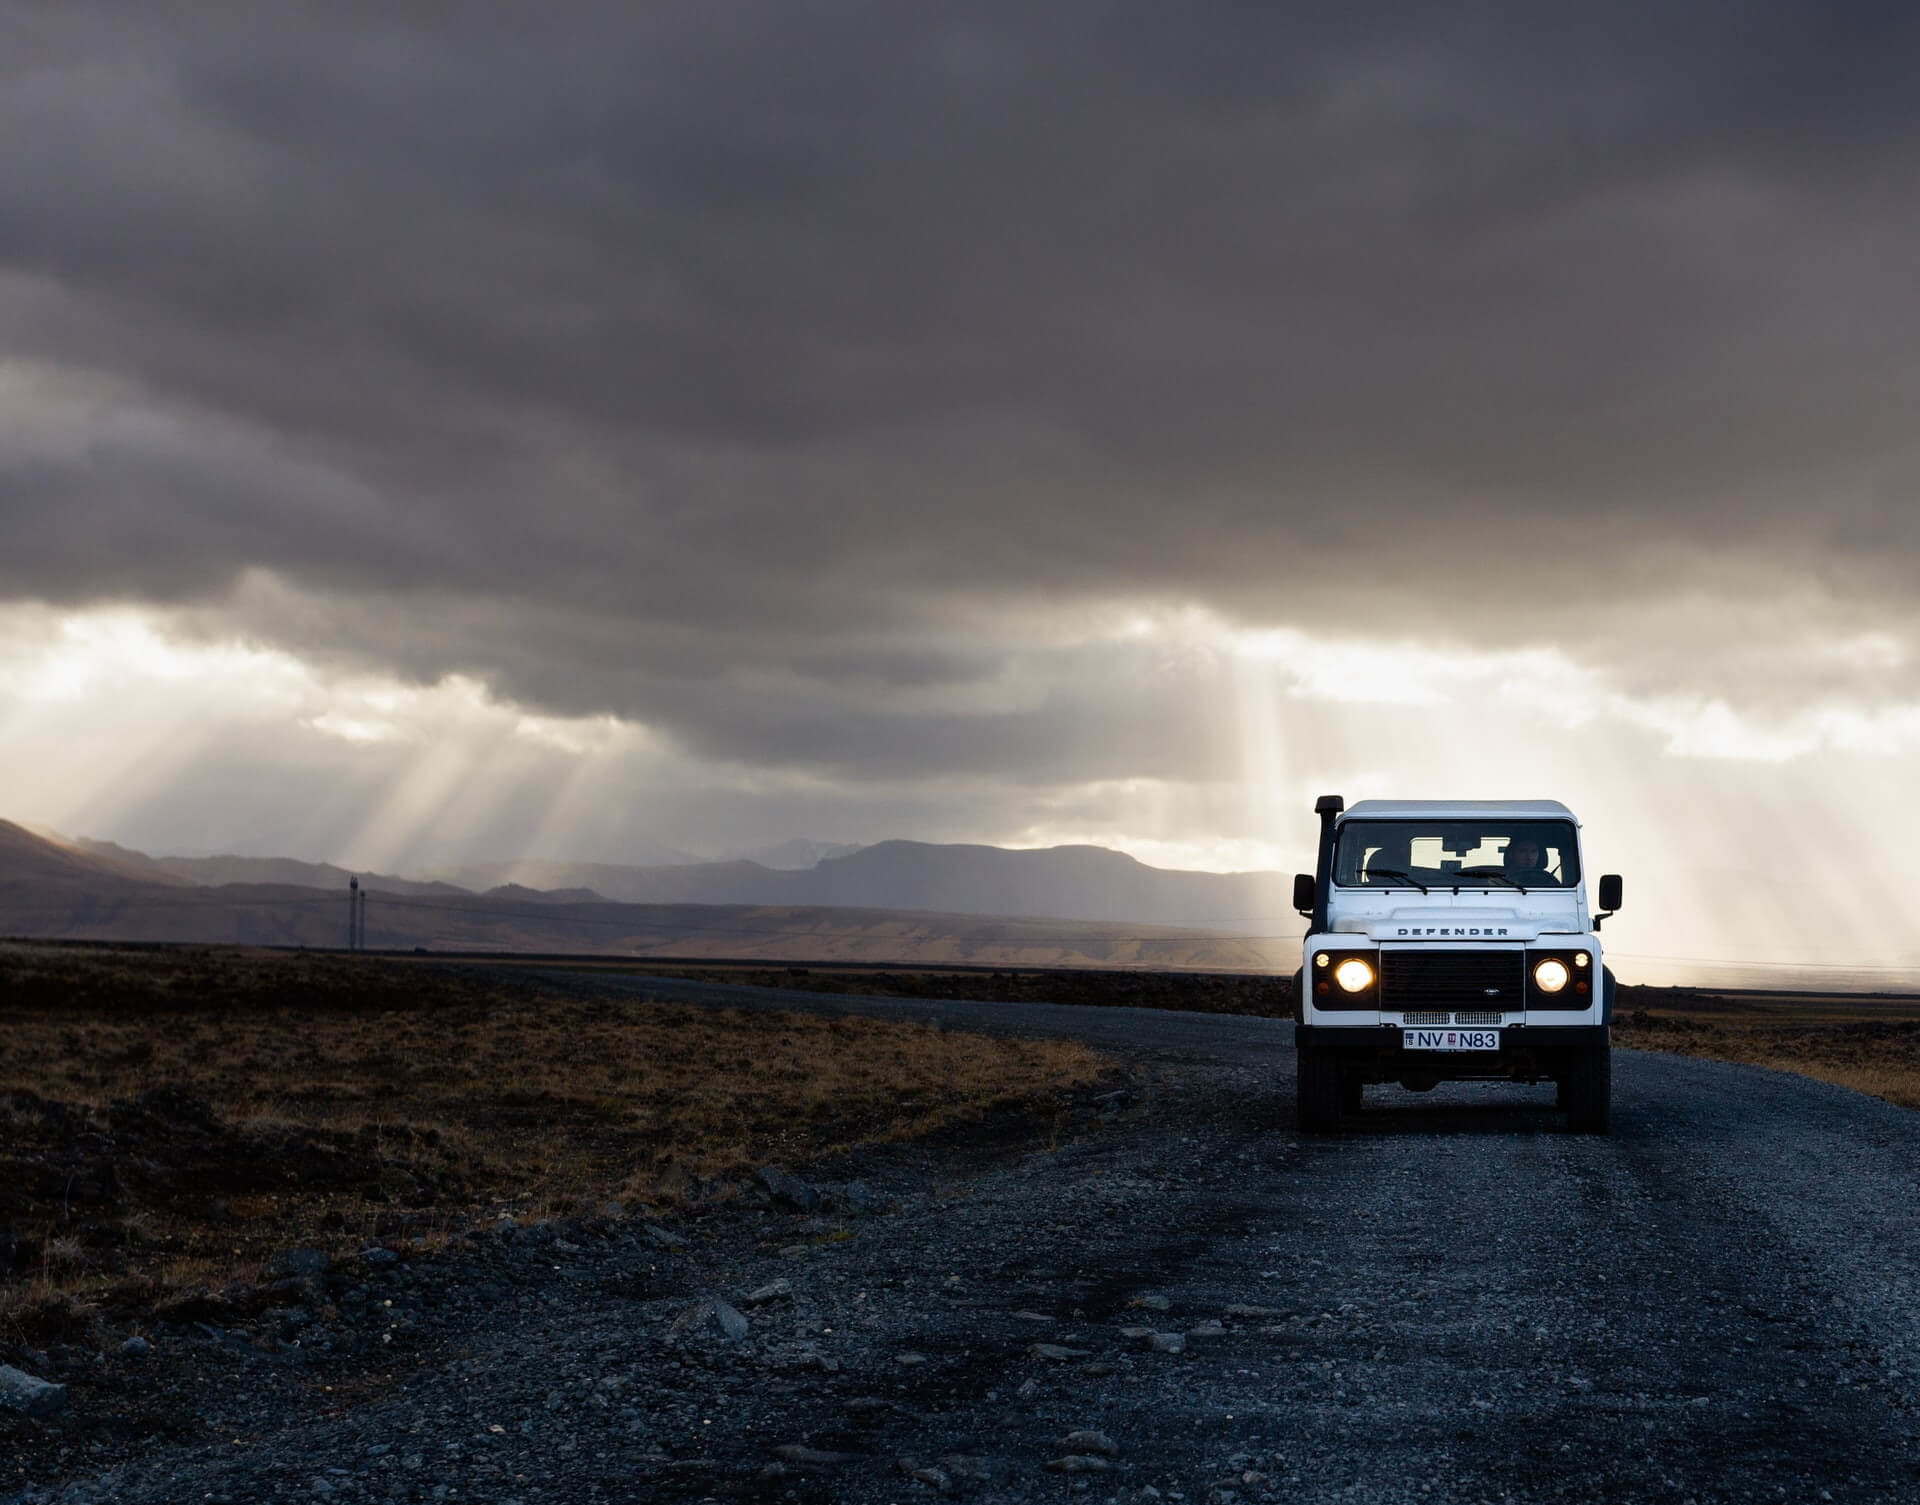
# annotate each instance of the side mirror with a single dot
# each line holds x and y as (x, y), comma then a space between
(1610, 892)
(1303, 894)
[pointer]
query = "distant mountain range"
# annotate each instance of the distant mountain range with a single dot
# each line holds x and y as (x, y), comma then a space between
(899, 901)
(791, 856)
(614, 879)
(1073, 882)
(214, 871)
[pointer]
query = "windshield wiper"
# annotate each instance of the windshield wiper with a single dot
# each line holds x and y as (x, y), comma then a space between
(1489, 872)
(1394, 872)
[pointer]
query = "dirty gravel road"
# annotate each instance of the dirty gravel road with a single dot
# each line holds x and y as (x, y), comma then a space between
(1180, 1299)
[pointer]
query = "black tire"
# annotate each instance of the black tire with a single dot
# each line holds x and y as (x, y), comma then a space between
(1560, 1092)
(1589, 1092)
(1352, 1092)
(1317, 1092)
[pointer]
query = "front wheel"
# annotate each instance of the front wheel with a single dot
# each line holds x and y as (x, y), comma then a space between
(1589, 1092)
(1317, 1092)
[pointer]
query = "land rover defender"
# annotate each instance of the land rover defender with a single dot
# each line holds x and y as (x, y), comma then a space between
(1451, 940)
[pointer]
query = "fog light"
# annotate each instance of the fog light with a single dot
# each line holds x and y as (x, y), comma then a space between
(1322, 959)
(1354, 975)
(1551, 975)
(1582, 959)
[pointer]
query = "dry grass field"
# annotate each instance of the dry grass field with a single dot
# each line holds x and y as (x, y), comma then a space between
(175, 1116)
(1870, 1045)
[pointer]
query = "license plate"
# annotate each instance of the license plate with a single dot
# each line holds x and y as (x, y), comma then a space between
(1449, 1039)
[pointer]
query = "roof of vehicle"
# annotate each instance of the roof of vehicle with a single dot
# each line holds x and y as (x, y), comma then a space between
(1460, 810)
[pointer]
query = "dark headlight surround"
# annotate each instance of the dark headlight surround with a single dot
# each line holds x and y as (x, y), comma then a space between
(1327, 994)
(1577, 994)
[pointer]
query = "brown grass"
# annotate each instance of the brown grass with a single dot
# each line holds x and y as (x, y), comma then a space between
(1867, 1045)
(357, 1098)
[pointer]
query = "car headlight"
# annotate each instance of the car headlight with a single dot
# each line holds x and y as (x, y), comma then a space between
(1353, 975)
(1551, 975)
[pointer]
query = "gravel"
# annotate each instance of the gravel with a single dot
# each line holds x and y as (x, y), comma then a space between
(1454, 1301)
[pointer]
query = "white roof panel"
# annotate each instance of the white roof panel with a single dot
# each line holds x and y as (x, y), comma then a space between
(1459, 810)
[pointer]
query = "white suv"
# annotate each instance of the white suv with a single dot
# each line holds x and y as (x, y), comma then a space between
(1451, 940)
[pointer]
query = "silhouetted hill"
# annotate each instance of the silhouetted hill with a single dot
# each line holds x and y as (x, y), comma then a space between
(798, 854)
(694, 882)
(26, 857)
(215, 871)
(1075, 882)
(552, 873)
(546, 895)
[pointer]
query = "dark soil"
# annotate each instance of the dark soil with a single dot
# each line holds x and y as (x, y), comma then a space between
(1192, 992)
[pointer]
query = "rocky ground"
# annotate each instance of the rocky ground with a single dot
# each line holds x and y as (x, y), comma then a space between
(1175, 1298)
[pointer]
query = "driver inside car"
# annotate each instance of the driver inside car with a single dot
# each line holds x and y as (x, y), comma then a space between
(1524, 863)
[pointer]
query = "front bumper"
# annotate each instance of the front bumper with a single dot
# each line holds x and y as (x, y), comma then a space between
(1534, 1052)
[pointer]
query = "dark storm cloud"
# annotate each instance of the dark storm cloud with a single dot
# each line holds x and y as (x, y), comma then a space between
(725, 365)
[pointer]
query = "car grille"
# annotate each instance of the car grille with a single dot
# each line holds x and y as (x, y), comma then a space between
(1415, 977)
(1426, 1018)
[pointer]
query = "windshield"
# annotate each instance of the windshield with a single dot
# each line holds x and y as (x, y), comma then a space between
(1453, 853)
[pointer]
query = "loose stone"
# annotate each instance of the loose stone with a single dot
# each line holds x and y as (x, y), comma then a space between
(709, 1319)
(787, 1190)
(799, 1452)
(22, 1392)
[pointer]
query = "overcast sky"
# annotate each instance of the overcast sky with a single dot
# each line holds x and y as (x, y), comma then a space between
(572, 426)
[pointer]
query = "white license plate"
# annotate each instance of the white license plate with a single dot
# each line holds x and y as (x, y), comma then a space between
(1449, 1039)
